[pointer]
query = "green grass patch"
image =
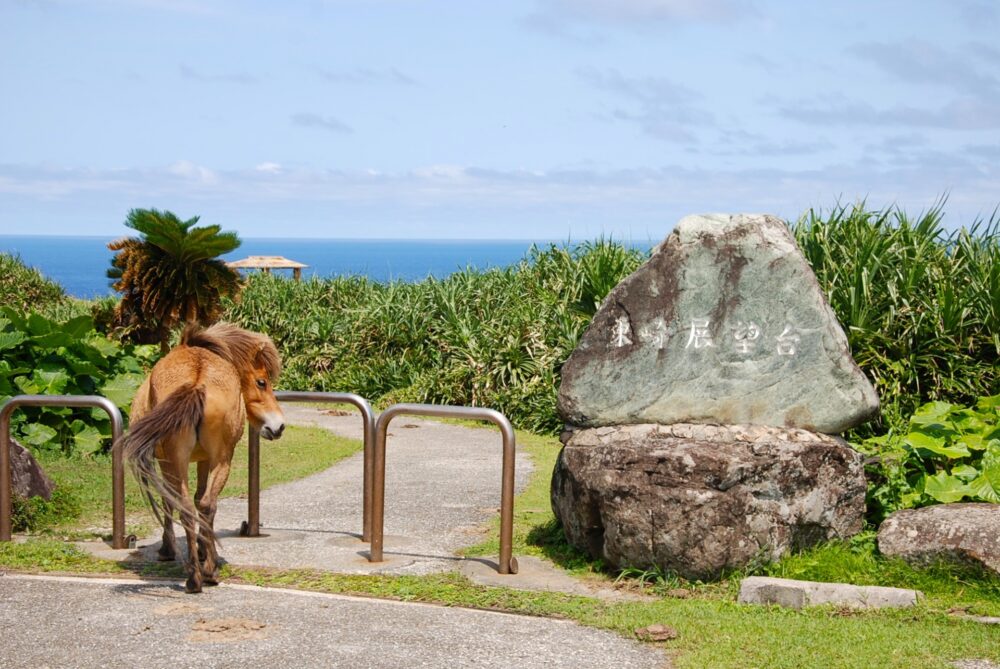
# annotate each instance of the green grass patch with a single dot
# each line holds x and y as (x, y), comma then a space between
(81, 507)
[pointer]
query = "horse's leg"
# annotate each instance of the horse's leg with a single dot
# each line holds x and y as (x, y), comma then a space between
(198, 495)
(189, 520)
(207, 506)
(168, 545)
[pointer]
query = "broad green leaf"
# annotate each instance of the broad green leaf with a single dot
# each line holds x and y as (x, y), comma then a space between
(932, 412)
(965, 472)
(10, 339)
(945, 488)
(50, 382)
(981, 488)
(936, 445)
(103, 346)
(975, 442)
(968, 422)
(79, 366)
(54, 339)
(35, 434)
(990, 465)
(121, 389)
(87, 437)
(39, 325)
(78, 327)
(988, 403)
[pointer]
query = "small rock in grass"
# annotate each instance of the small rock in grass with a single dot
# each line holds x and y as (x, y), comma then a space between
(656, 633)
(967, 533)
(678, 593)
(794, 594)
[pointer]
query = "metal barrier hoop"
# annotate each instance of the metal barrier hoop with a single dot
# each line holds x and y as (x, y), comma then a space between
(251, 527)
(118, 539)
(508, 563)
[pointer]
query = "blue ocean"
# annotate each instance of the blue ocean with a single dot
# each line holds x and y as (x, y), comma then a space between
(79, 264)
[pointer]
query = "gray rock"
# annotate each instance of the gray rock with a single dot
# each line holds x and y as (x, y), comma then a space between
(27, 477)
(725, 323)
(964, 533)
(798, 594)
(700, 499)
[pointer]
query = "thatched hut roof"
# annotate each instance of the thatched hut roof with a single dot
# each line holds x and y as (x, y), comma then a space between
(266, 262)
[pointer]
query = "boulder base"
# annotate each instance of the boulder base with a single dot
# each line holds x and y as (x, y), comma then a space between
(965, 533)
(701, 499)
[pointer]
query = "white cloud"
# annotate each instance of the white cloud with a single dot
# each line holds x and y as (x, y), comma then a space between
(310, 120)
(643, 11)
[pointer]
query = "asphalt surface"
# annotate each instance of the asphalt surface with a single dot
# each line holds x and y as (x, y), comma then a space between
(51, 622)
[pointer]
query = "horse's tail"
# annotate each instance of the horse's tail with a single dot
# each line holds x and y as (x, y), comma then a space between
(181, 409)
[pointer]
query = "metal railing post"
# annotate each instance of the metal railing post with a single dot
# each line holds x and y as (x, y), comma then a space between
(252, 525)
(118, 539)
(507, 563)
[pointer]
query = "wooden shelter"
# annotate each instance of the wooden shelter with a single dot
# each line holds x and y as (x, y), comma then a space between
(267, 263)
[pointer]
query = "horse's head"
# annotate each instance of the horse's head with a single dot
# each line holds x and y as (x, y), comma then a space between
(257, 379)
(258, 363)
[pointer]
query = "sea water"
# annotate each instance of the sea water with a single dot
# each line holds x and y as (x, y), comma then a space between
(80, 264)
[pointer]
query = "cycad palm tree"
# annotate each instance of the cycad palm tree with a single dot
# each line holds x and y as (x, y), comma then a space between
(170, 275)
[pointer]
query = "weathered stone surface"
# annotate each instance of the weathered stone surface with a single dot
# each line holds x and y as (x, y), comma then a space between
(966, 533)
(699, 499)
(724, 324)
(27, 477)
(794, 594)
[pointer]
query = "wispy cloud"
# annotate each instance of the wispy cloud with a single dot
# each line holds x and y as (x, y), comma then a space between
(962, 114)
(192, 74)
(663, 109)
(921, 62)
(309, 120)
(367, 75)
(977, 13)
(643, 11)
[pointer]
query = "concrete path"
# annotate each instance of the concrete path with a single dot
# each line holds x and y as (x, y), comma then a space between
(83, 623)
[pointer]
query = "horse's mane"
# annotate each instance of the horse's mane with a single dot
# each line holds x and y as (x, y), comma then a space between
(237, 346)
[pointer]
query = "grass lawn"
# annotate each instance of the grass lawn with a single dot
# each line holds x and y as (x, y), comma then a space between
(713, 630)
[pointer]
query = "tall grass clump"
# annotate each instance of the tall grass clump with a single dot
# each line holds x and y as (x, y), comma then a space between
(487, 338)
(23, 287)
(920, 304)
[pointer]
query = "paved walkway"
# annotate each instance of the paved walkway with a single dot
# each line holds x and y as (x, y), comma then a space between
(82, 623)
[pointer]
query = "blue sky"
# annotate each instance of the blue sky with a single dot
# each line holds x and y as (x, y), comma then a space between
(522, 119)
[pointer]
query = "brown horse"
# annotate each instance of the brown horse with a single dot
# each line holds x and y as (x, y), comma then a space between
(192, 408)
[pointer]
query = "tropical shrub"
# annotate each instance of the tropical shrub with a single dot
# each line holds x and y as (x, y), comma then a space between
(920, 305)
(40, 356)
(949, 453)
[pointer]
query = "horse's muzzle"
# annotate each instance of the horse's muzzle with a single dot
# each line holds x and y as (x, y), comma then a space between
(269, 432)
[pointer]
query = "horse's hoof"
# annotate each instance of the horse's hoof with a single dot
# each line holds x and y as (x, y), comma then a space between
(191, 587)
(210, 580)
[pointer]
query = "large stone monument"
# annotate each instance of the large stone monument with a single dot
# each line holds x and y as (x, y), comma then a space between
(699, 405)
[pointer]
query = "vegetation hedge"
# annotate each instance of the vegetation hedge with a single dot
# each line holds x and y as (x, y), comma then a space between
(920, 306)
